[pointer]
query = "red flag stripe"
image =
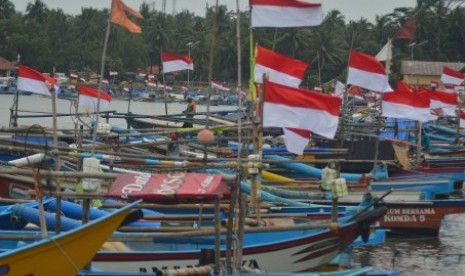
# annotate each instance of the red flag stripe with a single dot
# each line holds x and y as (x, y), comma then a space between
(366, 63)
(295, 97)
(280, 63)
(172, 57)
(451, 72)
(92, 92)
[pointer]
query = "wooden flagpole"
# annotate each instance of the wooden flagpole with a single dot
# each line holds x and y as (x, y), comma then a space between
(102, 71)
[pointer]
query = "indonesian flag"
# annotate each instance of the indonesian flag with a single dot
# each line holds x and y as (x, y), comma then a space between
(174, 62)
(356, 92)
(407, 104)
(166, 87)
(219, 86)
(296, 139)
(113, 73)
(285, 13)
(278, 68)
(33, 81)
(450, 76)
(89, 97)
(462, 119)
(290, 107)
(367, 72)
(444, 100)
(152, 84)
(74, 75)
(105, 81)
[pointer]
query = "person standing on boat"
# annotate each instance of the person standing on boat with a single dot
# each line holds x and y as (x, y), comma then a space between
(190, 111)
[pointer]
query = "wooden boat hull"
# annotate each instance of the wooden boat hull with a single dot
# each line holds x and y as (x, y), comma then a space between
(421, 217)
(296, 250)
(66, 253)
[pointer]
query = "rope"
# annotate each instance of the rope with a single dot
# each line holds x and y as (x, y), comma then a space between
(66, 255)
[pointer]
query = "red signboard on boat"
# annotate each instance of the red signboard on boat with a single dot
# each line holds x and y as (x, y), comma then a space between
(174, 187)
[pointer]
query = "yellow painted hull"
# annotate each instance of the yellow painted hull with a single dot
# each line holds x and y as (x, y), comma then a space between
(266, 175)
(63, 254)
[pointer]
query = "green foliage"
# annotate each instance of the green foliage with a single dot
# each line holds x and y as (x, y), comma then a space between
(47, 39)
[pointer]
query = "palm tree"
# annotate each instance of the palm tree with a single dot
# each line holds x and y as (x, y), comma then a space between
(36, 11)
(7, 9)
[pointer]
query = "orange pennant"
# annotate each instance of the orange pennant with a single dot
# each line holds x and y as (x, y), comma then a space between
(118, 16)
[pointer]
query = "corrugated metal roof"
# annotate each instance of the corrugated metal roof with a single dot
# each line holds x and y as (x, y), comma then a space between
(6, 65)
(428, 68)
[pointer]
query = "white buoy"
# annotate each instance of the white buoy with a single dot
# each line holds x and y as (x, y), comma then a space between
(91, 165)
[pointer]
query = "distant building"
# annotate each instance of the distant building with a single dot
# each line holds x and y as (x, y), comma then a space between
(426, 72)
(7, 69)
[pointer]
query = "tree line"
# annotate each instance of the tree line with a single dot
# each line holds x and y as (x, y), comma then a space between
(48, 39)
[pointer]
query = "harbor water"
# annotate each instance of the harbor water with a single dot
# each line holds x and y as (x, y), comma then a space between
(412, 255)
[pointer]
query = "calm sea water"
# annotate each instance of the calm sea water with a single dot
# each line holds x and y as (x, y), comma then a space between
(443, 255)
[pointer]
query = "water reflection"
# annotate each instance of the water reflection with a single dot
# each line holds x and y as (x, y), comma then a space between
(442, 255)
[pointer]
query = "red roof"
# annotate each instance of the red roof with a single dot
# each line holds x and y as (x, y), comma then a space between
(6, 65)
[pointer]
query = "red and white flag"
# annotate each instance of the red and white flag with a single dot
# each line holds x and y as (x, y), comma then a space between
(174, 62)
(356, 92)
(367, 72)
(296, 140)
(166, 87)
(278, 68)
(88, 96)
(285, 13)
(444, 100)
(407, 104)
(113, 73)
(105, 81)
(152, 84)
(33, 81)
(451, 76)
(290, 107)
(462, 119)
(73, 75)
(219, 86)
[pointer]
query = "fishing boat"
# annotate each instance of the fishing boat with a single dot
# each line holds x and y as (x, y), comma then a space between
(70, 251)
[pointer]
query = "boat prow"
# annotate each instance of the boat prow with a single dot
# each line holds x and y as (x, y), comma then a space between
(70, 251)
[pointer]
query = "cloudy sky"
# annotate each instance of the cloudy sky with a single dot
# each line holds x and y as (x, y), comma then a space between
(351, 9)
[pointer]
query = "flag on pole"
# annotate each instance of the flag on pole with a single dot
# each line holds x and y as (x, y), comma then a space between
(290, 107)
(119, 16)
(444, 100)
(413, 105)
(33, 81)
(367, 72)
(219, 86)
(285, 13)
(451, 76)
(296, 139)
(174, 62)
(278, 68)
(113, 73)
(407, 31)
(88, 97)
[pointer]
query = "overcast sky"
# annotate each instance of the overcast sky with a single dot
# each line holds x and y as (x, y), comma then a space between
(351, 9)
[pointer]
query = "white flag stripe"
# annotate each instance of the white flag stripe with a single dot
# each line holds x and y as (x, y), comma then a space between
(275, 76)
(368, 80)
(451, 79)
(294, 142)
(32, 85)
(177, 65)
(279, 16)
(449, 111)
(89, 101)
(279, 115)
(395, 110)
